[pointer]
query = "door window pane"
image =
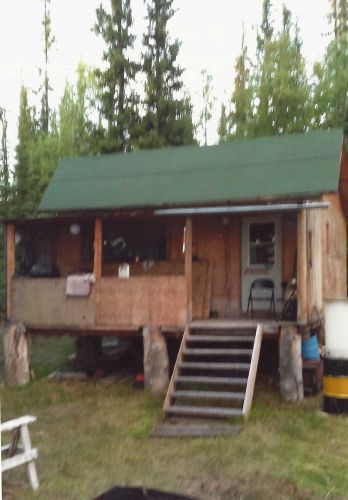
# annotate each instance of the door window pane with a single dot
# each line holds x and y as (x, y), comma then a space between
(262, 243)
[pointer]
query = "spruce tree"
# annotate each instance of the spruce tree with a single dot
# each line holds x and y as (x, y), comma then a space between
(26, 139)
(168, 114)
(241, 117)
(282, 88)
(118, 100)
(75, 127)
(208, 104)
(5, 187)
(330, 92)
(48, 39)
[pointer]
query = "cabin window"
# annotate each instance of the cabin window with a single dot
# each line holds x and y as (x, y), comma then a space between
(133, 243)
(262, 243)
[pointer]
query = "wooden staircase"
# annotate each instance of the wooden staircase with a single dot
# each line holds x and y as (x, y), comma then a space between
(215, 371)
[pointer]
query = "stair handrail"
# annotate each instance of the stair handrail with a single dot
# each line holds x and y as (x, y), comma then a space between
(249, 392)
(166, 403)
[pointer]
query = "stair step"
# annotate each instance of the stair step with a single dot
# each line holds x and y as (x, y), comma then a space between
(204, 411)
(215, 366)
(194, 430)
(224, 325)
(209, 395)
(217, 352)
(220, 338)
(211, 380)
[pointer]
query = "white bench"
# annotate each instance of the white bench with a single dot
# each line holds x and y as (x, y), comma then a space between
(27, 454)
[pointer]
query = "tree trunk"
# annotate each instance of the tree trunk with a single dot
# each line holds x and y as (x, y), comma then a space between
(156, 362)
(290, 364)
(16, 355)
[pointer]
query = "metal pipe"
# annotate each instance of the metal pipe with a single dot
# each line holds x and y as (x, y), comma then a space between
(243, 209)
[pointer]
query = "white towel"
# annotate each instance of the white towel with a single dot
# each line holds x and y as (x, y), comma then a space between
(79, 285)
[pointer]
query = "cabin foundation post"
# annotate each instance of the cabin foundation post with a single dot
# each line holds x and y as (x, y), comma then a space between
(290, 364)
(156, 361)
(16, 354)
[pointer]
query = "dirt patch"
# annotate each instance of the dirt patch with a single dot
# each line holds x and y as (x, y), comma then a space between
(257, 487)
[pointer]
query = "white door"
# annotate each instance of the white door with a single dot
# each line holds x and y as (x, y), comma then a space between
(261, 257)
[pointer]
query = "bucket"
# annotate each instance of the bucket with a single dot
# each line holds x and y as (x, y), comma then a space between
(335, 385)
(310, 348)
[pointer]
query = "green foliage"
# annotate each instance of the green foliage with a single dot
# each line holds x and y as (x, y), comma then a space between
(118, 101)
(76, 131)
(48, 39)
(331, 85)
(26, 139)
(168, 116)
(208, 106)
(272, 96)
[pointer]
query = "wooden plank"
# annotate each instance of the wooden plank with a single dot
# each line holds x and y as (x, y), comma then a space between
(220, 338)
(98, 248)
(188, 266)
(10, 267)
(21, 459)
(208, 292)
(33, 479)
(302, 267)
(10, 425)
(218, 352)
(215, 366)
(176, 369)
(252, 372)
(334, 249)
(235, 255)
(194, 430)
(208, 395)
(211, 380)
(204, 411)
(315, 265)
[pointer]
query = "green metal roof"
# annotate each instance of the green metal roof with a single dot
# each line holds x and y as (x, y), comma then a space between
(296, 166)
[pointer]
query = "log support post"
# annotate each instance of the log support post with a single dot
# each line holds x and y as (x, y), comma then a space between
(10, 267)
(156, 362)
(188, 266)
(16, 354)
(290, 364)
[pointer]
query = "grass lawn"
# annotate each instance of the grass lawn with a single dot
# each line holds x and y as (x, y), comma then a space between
(91, 437)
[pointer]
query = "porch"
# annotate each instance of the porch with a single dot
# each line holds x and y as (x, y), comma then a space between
(178, 268)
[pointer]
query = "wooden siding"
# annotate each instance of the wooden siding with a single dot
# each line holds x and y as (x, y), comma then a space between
(322, 258)
(334, 249)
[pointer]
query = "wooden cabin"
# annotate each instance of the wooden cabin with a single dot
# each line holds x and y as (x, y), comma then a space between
(180, 236)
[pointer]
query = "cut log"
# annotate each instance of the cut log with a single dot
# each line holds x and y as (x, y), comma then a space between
(156, 362)
(290, 364)
(16, 355)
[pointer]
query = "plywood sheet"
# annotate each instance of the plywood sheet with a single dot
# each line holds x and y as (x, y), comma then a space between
(139, 300)
(42, 302)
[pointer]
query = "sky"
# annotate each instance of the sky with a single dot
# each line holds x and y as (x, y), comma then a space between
(210, 32)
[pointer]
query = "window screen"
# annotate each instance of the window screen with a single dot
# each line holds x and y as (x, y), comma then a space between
(262, 243)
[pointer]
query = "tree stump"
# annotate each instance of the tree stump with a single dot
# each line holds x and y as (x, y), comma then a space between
(290, 364)
(156, 362)
(16, 354)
